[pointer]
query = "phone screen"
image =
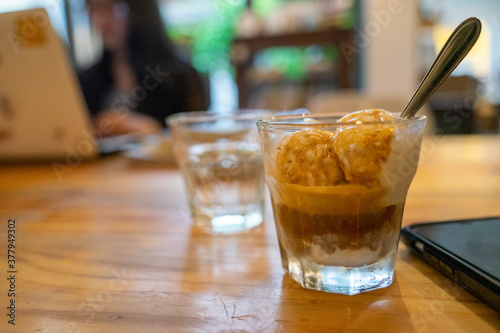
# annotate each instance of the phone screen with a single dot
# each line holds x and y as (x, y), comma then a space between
(477, 242)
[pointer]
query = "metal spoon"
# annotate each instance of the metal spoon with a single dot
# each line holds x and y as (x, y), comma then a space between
(453, 52)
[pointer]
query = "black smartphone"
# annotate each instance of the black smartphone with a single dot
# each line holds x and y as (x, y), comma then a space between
(466, 251)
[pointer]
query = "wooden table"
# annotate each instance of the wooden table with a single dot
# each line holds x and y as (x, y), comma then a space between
(108, 248)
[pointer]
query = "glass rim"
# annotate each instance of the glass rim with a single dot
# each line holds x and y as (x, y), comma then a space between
(283, 121)
(190, 117)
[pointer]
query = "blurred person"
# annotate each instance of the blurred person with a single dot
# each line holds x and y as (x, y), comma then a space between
(139, 80)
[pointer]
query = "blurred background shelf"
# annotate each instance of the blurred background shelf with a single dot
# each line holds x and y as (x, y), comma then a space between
(244, 51)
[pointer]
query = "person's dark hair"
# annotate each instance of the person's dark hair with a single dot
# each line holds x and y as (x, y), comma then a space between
(147, 38)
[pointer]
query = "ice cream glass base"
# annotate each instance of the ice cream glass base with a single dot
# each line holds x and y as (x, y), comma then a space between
(342, 279)
(339, 233)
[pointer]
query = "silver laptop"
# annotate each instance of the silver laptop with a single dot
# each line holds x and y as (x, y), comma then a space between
(43, 116)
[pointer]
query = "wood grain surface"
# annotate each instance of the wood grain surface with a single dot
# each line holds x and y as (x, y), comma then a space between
(107, 247)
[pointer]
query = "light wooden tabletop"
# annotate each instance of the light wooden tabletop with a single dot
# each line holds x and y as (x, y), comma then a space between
(107, 247)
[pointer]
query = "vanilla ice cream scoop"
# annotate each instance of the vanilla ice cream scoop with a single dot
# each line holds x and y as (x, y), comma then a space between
(307, 158)
(362, 150)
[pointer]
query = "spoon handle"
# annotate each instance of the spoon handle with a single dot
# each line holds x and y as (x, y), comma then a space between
(453, 52)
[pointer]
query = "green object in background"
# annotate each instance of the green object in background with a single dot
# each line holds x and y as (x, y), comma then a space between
(209, 41)
(293, 62)
(265, 7)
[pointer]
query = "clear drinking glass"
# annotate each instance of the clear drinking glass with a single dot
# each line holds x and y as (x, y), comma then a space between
(220, 159)
(338, 192)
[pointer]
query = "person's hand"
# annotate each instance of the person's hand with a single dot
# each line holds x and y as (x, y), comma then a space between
(116, 122)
